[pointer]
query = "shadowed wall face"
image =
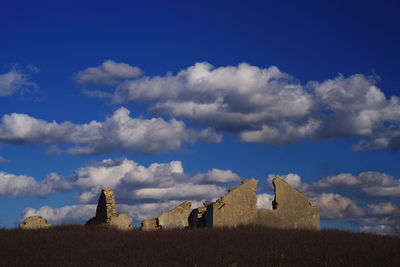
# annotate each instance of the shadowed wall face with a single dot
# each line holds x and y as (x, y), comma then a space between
(106, 206)
(237, 207)
(291, 209)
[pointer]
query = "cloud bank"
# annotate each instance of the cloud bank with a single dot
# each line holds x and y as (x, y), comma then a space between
(269, 106)
(118, 133)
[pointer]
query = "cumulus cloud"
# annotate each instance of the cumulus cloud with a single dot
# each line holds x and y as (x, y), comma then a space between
(23, 185)
(267, 105)
(118, 133)
(335, 206)
(109, 72)
(216, 176)
(74, 214)
(14, 81)
(264, 201)
(370, 184)
(134, 182)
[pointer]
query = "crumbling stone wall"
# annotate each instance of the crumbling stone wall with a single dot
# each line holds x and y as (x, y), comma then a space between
(291, 209)
(106, 206)
(106, 212)
(149, 225)
(34, 222)
(237, 207)
(176, 218)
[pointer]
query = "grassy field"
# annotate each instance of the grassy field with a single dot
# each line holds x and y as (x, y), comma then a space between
(244, 246)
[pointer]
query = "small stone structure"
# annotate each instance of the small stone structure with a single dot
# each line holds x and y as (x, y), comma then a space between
(106, 212)
(149, 225)
(34, 222)
(173, 219)
(176, 218)
(291, 209)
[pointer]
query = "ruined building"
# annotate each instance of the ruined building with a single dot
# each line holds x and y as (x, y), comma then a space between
(34, 222)
(106, 213)
(291, 209)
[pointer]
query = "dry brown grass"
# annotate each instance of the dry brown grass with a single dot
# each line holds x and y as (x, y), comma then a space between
(243, 246)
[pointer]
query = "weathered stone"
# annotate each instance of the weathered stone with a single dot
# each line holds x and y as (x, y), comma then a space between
(106, 206)
(34, 222)
(197, 216)
(106, 212)
(176, 218)
(149, 225)
(291, 209)
(121, 221)
(237, 207)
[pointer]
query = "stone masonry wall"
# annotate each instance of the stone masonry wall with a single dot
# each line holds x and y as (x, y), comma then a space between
(106, 206)
(291, 209)
(237, 207)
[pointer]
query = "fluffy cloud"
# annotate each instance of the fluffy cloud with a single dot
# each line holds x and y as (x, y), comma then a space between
(119, 132)
(74, 214)
(264, 201)
(134, 182)
(216, 176)
(109, 72)
(335, 206)
(13, 81)
(269, 106)
(371, 184)
(21, 185)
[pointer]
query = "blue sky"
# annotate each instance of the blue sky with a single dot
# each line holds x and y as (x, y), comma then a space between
(171, 101)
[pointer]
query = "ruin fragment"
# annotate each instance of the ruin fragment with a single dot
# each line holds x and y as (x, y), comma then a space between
(34, 222)
(149, 225)
(176, 218)
(291, 209)
(106, 212)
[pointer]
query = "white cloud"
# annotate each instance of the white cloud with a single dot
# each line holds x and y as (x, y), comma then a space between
(119, 132)
(112, 172)
(335, 206)
(133, 182)
(20, 185)
(74, 214)
(181, 191)
(371, 184)
(13, 81)
(269, 106)
(387, 208)
(291, 178)
(264, 201)
(109, 72)
(216, 176)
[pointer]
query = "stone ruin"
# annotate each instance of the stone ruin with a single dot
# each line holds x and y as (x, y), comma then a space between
(175, 218)
(291, 209)
(34, 222)
(107, 215)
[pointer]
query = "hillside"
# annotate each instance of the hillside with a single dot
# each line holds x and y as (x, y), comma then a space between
(244, 246)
